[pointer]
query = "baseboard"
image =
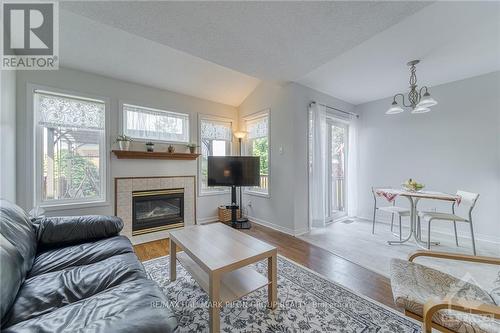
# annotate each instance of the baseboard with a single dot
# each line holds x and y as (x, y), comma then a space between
(442, 231)
(300, 232)
(276, 227)
(209, 219)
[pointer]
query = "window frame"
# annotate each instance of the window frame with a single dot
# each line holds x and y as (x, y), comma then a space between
(104, 152)
(207, 117)
(260, 114)
(122, 119)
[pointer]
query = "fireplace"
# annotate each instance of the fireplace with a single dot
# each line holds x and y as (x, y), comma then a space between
(157, 210)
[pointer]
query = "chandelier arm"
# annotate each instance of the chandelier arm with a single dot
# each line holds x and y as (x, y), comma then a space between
(403, 100)
(420, 92)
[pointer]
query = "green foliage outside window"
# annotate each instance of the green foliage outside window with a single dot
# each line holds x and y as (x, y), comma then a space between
(78, 175)
(260, 147)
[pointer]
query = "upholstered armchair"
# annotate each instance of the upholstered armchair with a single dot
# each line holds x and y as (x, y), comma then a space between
(442, 301)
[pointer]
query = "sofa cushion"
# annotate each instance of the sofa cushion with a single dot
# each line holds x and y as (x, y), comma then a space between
(17, 228)
(11, 263)
(44, 293)
(137, 306)
(81, 254)
(414, 284)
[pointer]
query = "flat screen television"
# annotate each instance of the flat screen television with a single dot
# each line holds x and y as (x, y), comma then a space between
(233, 171)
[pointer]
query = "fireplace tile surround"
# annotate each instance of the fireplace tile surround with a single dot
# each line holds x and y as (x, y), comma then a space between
(124, 186)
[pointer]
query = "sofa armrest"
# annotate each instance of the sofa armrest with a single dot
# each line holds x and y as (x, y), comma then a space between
(58, 231)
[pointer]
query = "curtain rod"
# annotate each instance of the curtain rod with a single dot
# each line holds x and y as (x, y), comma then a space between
(331, 107)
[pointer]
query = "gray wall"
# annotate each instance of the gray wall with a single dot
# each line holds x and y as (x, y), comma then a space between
(456, 146)
(116, 91)
(287, 207)
(8, 135)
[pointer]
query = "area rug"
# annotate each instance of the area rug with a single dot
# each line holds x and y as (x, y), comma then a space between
(308, 302)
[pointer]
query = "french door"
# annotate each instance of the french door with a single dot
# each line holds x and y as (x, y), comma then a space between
(337, 168)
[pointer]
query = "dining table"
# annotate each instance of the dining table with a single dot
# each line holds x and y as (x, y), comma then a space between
(390, 194)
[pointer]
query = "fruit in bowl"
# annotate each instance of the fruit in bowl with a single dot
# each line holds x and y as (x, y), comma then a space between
(412, 185)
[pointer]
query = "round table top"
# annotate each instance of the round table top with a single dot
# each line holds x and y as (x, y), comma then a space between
(420, 194)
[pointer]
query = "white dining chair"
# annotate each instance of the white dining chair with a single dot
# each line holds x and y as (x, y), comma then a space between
(393, 210)
(469, 200)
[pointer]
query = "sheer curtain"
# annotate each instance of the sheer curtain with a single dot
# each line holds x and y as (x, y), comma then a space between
(318, 171)
(352, 168)
(151, 124)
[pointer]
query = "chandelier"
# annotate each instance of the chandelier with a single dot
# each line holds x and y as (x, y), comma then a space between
(417, 102)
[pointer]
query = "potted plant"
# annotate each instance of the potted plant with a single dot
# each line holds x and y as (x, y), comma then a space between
(150, 147)
(171, 149)
(192, 147)
(123, 142)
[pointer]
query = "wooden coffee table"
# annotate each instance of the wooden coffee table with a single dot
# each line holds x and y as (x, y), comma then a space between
(217, 257)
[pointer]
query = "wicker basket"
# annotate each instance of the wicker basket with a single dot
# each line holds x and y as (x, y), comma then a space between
(225, 214)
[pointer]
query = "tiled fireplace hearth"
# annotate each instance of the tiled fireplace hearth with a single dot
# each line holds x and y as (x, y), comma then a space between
(150, 206)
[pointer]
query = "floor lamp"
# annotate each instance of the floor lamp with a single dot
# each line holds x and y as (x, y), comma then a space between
(240, 135)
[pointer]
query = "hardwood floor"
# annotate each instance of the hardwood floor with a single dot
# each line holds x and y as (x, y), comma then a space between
(338, 269)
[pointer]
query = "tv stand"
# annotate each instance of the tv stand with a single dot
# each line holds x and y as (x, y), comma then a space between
(242, 223)
(237, 223)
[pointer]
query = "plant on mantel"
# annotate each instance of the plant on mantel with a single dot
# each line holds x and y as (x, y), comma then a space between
(123, 142)
(192, 147)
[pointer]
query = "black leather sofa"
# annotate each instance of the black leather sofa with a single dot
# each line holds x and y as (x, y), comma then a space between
(74, 274)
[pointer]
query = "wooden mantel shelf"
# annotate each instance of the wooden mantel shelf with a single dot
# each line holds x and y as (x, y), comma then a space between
(130, 154)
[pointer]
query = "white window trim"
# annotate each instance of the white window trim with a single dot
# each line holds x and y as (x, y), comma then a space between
(201, 192)
(253, 116)
(121, 121)
(37, 151)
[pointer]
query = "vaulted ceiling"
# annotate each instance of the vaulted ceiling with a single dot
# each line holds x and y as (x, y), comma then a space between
(220, 51)
(453, 40)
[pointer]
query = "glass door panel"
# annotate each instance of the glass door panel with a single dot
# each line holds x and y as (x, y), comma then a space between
(338, 158)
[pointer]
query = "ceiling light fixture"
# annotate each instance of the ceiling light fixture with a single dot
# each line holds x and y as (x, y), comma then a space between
(417, 102)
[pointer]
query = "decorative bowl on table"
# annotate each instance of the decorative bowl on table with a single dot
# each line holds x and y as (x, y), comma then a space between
(412, 186)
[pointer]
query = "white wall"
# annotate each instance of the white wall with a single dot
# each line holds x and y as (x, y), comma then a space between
(287, 207)
(116, 91)
(456, 146)
(8, 135)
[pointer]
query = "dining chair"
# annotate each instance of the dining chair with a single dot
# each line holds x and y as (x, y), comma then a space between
(393, 210)
(469, 200)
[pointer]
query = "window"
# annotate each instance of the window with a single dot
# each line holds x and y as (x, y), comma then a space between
(258, 145)
(157, 125)
(215, 140)
(71, 149)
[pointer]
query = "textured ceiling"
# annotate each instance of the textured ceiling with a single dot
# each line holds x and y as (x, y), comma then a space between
(278, 41)
(453, 40)
(94, 47)
(356, 51)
